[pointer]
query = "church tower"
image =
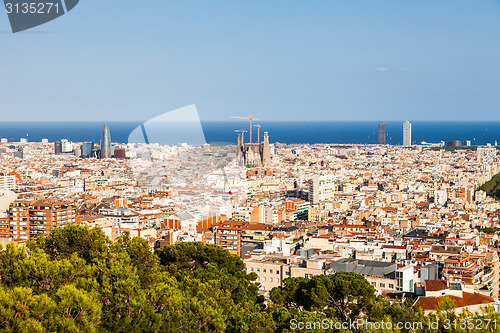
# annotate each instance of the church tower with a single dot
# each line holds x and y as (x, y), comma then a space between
(266, 154)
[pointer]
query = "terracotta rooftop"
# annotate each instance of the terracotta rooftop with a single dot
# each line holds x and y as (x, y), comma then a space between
(468, 299)
(435, 285)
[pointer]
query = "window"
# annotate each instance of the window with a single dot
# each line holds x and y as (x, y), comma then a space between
(382, 285)
(264, 279)
(391, 286)
(270, 279)
(374, 284)
(278, 272)
(264, 270)
(270, 271)
(258, 270)
(251, 269)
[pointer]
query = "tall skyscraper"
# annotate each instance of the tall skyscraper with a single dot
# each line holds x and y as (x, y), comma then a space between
(407, 133)
(381, 133)
(105, 142)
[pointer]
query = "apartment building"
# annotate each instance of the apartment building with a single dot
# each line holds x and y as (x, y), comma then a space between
(47, 214)
(19, 219)
(8, 182)
(32, 217)
(4, 225)
(322, 188)
(297, 209)
(228, 236)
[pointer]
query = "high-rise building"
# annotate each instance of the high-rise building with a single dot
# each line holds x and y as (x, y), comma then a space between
(322, 188)
(87, 149)
(58, 147)
(407, 133)
(105, 142)
(381, 133)
(66, 146)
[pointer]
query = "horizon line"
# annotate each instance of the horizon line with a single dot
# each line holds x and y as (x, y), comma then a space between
(244, 121)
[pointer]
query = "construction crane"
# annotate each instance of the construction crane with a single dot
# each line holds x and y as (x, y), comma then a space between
(251, 118)
(242, 134)
(258, 132)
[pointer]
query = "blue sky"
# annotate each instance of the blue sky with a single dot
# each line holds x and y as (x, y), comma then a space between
(275, 59)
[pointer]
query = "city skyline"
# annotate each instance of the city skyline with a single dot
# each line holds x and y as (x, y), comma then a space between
(259, 166)
(475, 133)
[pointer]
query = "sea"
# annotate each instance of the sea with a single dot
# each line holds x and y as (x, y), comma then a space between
(311, 132)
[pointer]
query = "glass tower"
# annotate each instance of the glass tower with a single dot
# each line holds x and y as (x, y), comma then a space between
(105, 142)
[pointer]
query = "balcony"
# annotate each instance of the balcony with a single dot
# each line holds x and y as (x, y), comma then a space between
(487, 277)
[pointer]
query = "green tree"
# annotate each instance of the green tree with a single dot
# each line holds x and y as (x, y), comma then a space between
(347, 292)
(210, 262)
(294, 293)
(143, 259)
(63, 242)
(76, 310)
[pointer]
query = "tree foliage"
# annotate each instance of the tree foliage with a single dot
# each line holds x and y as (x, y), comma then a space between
(346, 293)
(492, 187)
(77, 280)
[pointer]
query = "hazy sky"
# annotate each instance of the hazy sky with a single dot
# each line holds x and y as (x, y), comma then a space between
(275, 59)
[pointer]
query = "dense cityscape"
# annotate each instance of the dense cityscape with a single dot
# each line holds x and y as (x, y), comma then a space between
(414, 220)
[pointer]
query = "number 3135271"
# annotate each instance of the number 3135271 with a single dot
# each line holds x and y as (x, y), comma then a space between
(32, 8)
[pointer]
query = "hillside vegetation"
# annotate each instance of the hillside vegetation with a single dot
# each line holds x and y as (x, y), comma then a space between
(77, 280)
(492, 187)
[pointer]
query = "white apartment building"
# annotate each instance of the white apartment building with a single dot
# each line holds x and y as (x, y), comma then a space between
(486, 154)
(440, 197)
(8, 182)
(322, 188)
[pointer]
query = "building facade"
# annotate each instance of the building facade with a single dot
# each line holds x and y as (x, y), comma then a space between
(322, 188)
(8, 182)
(254, 154)
(381, 133)
(407, 133)
(32, 217)
(105, 142)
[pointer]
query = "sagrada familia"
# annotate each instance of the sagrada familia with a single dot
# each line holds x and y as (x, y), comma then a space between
(254, 154)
